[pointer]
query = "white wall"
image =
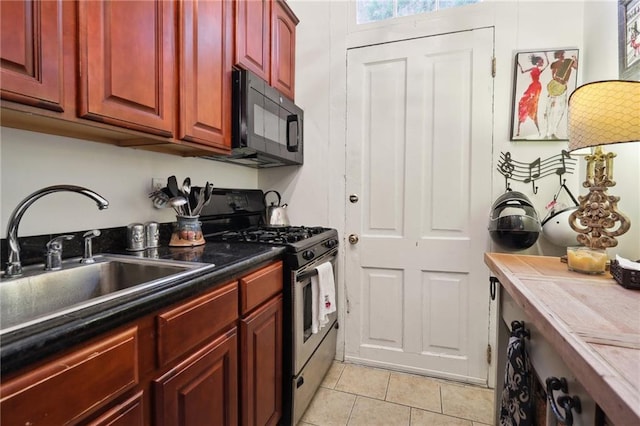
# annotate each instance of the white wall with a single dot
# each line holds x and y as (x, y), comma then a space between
(315, 192)
(30, 161)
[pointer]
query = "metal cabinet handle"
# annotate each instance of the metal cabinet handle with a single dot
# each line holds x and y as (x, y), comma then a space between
(567, 402)
(353, 239)
(518, 328)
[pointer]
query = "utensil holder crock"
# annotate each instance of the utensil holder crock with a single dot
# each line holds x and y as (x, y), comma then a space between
(187, 231)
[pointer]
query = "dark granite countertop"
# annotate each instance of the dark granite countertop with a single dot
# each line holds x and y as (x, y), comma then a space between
(25, 346)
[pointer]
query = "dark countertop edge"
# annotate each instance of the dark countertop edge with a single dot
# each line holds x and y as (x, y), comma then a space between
(25, 348)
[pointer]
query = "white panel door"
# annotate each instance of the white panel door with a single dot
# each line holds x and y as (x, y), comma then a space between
(419, 138)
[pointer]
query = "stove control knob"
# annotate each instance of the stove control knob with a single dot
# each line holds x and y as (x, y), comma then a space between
(308, 254)
(331, 243)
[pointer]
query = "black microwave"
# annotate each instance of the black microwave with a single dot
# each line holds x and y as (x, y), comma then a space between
(266, 125)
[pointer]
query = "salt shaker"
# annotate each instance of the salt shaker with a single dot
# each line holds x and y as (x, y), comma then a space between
(151, 235)
(135, 237)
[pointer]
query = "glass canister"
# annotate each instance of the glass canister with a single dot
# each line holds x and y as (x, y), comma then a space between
(587, 260)
(187, 231)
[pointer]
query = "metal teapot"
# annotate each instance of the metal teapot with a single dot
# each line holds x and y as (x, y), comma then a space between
(276, 214)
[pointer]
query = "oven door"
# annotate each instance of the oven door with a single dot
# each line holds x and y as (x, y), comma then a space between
(305, 341)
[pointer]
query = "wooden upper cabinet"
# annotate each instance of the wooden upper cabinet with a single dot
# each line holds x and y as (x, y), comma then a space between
(32, 53)
(252, 36)
(127, 61)
(283, 48)
(265, 34)
(205, 56)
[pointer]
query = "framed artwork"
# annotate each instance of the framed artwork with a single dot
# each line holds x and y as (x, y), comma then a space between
(542, 83)
(629, 39)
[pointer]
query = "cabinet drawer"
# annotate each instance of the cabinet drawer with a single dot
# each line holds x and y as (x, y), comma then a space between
(183, 328)
(63, 390)
(258, 287)
(127, 413)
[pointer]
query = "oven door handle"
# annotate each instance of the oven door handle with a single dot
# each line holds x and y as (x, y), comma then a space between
(306, 275)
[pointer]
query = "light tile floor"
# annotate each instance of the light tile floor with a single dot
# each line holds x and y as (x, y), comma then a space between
(356, 395)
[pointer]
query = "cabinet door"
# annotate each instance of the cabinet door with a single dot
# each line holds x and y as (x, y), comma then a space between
(253, 30)
(283, 48)
(31, 51)
(206, 49)
(261, 349)
(127, 64)
(202, 390)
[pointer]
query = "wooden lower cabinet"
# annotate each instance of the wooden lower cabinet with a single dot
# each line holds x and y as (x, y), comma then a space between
(261, 349)
(203, 389)
(212, 359)
(127, 413)
(71, 387)
(261, 310)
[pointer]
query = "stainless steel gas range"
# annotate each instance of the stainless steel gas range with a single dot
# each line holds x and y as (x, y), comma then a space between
(236, 216)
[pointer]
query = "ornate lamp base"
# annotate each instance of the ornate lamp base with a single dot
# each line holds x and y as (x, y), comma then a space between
(597, 219)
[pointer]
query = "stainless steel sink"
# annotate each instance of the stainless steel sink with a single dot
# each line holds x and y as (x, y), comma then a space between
(40, 295)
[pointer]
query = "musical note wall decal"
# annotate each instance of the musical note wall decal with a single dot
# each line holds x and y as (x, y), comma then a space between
(537, 169)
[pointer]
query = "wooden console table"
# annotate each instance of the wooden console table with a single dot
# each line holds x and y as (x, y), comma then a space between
(589, 321)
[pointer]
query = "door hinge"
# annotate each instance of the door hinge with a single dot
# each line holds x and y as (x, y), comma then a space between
(489, 354)
(493, 66)
(348, 306)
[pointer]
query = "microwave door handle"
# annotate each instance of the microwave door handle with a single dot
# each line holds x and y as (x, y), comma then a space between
(292, 120)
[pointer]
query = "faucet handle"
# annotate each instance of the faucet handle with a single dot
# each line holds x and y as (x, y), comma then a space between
(54, 252)
(88, 236)
(56, 243)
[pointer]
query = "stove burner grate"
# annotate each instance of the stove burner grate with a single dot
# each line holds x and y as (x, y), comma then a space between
(273, 235)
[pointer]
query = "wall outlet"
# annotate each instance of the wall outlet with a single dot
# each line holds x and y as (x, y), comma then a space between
(157, 184)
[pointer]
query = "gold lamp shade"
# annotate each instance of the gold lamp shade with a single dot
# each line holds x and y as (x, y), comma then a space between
(602, 113)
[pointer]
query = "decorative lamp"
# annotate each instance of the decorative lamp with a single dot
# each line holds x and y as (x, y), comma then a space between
(601, 113)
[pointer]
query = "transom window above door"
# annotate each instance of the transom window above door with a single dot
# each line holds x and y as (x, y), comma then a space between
(378, 10)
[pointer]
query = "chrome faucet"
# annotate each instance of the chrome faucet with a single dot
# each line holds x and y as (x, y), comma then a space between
(14, 267)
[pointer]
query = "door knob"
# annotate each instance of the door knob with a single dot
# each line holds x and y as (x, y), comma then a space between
(353, 239)
(353, 198)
